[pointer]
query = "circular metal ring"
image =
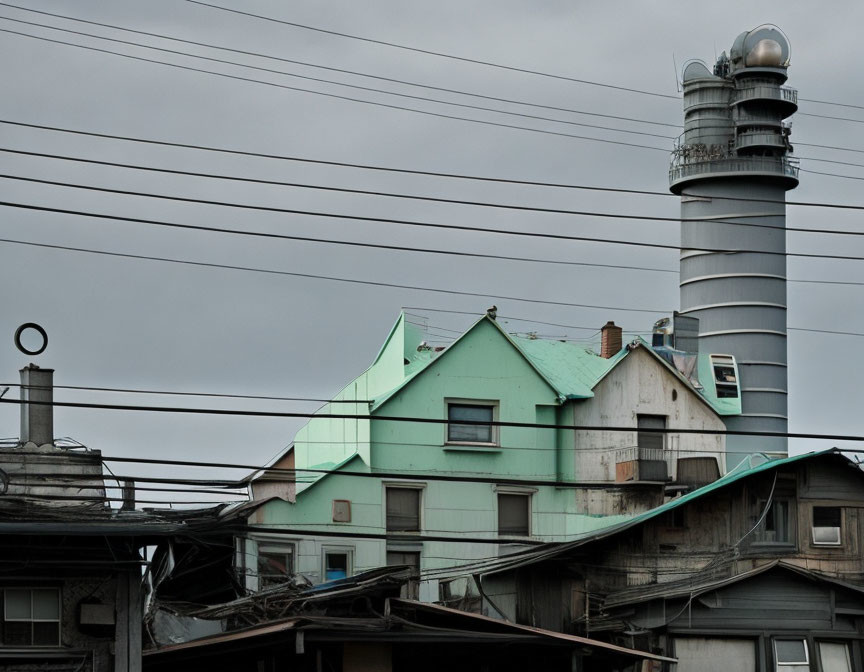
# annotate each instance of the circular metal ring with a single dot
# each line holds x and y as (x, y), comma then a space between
(36, 327)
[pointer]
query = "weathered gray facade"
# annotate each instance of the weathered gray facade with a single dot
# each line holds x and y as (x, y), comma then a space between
(764, 563)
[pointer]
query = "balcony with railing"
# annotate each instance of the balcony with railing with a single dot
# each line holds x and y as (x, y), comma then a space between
(732, 166)
(692, 468)
(754, 139)
(782, 93)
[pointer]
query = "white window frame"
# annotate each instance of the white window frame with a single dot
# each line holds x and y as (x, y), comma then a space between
(495, 434)
(337, 550)
(791, 665)
(839, 529)
(409, 485)
(31, 620)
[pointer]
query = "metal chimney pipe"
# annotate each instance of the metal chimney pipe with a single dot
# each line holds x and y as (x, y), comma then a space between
(37, 419)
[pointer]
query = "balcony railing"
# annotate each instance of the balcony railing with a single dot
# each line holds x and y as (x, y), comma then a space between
(745, 140)
(688, 467)
(751, 164)
(782, 93)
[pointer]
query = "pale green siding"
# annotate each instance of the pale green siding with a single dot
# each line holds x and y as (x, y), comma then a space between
(526, 381)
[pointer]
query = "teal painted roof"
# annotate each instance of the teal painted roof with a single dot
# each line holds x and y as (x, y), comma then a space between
(742, 470)
(571, 369)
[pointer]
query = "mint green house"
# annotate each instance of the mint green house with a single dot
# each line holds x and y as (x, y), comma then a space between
(381, 501)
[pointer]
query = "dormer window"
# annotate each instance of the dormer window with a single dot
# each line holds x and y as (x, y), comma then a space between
(725, 376)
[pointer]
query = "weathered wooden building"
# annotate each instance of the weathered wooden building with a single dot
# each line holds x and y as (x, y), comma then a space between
(71, 566)
(761, 570)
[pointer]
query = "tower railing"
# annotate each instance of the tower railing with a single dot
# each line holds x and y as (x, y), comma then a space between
(784, 93)
(752, 164)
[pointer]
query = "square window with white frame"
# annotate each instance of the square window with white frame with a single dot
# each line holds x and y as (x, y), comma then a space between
(31, 617)
(471, 423)
(791, 655)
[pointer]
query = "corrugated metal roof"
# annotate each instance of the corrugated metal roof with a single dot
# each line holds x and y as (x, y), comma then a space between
(743, 470)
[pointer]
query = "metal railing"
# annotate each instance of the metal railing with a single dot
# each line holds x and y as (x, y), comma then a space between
(759, 140)
(750, 164)
(784, 93)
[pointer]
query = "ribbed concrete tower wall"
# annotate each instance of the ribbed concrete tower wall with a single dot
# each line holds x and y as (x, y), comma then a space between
(731, 168)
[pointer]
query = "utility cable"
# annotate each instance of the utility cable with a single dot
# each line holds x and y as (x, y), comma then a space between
(346, 85)
(252, 269)
(334, 95)
(437, 53)
(425, 173)
(325, 241)
(126, 390)
(433, 421)
(308, 64)
(388, 194)
(361, 218)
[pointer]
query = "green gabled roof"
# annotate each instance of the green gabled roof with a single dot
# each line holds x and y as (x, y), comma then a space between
(571, 369)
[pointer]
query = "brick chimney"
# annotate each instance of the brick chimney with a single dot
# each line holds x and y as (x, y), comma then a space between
(37, 420)
(610, 340)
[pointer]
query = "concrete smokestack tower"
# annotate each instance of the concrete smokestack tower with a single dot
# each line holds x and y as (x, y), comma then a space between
(733, 164)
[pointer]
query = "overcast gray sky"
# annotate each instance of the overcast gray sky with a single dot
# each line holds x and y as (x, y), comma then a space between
(142, 324)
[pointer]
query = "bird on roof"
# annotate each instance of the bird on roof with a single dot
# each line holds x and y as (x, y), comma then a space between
(492, 312)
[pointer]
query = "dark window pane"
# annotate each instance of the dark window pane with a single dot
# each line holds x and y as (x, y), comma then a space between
(650, 439)
(46, 605)
(46, 634)
(18, 604)
(826, 516)
(17, 633)
(790, 650)
(777, 522)
(403, 510)
(336, 566)
(513, 515)
(469, 433)
(274, 566)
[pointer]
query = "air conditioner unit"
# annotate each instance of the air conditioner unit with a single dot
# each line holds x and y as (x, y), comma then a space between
(826, 536)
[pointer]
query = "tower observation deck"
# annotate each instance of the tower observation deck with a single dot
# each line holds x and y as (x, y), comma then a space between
(732, 166)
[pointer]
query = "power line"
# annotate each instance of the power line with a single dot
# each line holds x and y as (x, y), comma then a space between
(312, 276)
(828, 102)
(127, 390)
(401, 222)
(388, 194)
(436, 53)
(343, 84)
(308, 64)
(434, 421)
(317, 65)
(326, 241)
(334, 95)
(386, 105)
(250, 269)
(426, 173)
